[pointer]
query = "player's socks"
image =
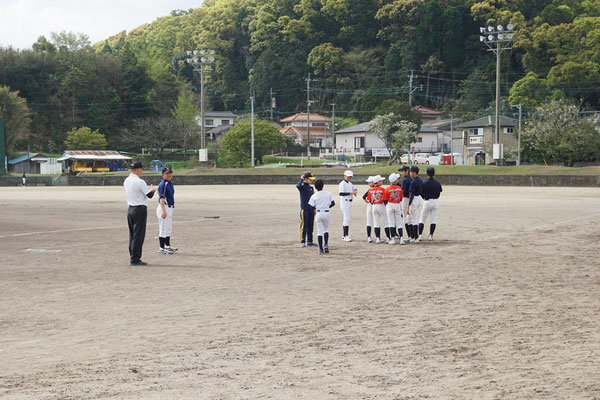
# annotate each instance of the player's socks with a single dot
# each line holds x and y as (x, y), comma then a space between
(368, 231)
(431, 229)
(168, 241)
(421, 227)
(415, 231)
(320, 239)
(346, 229)
(161, 242)
(378, 232)
(399, 232)
(392, 232)
(326, 237)
(407, 230)
(387, 232)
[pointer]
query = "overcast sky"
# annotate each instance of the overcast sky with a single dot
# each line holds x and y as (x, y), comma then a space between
(23, 21)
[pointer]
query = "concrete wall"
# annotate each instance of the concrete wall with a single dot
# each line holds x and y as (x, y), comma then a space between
(31, 180)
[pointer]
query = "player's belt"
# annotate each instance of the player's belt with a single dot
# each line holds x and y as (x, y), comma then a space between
(171, 206)
(322, 210)
(347, 199)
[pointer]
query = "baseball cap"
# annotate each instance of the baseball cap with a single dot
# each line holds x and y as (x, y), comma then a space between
(377, 178)
(310, 176)
(348, 173)
(394, 177)
(369, 179)
(136, 165)
(404, 168)
(414, 168)
(166, 170)
(430, 171)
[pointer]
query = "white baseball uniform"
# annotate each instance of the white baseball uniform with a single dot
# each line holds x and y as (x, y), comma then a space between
(430, 209)
(165, 225)
(346, 201)
(321, 201)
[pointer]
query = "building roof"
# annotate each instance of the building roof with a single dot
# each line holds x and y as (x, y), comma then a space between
(92, 155)
(443, 124)
(219, 129)
(302, 117)
(301, 131)
(25, 157)
(219, 114)
(426, 111)
(490, 120)
(364, 127)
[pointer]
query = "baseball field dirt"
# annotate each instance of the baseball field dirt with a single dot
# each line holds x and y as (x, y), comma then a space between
(501, 305)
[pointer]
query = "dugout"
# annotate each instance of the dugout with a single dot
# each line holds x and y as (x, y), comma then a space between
(94, 161)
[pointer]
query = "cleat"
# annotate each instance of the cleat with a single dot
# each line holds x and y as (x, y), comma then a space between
(164, 252)
(326, 250)
(430, 238)
(417, 240)
(321, 252)
(171, 249)
(140, 262)
(346, 239)
(302, 244)
(402, 240)
(313, 244)
(369, 239)
(411, 240)
(420, 238)
(392, 241)
(378, 241)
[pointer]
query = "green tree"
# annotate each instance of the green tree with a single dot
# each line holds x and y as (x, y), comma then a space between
(531, 91)
(558, 134)
(401, 109)
(396, 133)
(325, 58)
(16, 114)
(266, 138)
(84, 139)
(185, 112)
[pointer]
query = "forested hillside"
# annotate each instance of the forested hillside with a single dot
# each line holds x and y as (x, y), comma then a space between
(359, 52)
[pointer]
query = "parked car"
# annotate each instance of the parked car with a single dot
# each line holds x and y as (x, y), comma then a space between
(156, 165)
(418, 158)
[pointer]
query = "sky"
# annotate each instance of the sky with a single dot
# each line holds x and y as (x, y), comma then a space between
(23, 21)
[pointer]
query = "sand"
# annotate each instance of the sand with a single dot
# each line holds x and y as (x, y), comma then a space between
(502, 305)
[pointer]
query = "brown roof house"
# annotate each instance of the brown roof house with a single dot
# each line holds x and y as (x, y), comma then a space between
(296, 127)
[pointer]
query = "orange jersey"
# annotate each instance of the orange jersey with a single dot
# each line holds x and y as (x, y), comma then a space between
(375, 195)
(393, 194)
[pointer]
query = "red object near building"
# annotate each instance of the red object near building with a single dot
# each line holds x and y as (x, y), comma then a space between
(447, 160)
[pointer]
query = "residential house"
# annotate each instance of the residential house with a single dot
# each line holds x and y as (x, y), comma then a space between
(429, 114)
(446, 128)
(479, 137)
(296, 127)
(216, 124)
(34, 163)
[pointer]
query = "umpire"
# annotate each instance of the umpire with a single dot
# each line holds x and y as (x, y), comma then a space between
(137, 194)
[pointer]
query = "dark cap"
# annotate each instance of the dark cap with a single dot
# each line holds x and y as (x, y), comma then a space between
(308, 175)
(414, 168)
(136, 165)
(430, 171)
(166, 170)
(404, 168)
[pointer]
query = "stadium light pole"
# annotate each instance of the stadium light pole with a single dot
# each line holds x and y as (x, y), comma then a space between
(497, 39)
(201, 61)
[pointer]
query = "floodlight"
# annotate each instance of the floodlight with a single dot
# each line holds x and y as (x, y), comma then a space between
(500, 36)
(491, 38)
(490, 29)
(509, 36)
(203, 59)
(212, 52)
(195, 52)
(202, 52)
(482, 30)
(481, 38)
(500, 28)
(211, 59)
(189, 53)
(510, 27)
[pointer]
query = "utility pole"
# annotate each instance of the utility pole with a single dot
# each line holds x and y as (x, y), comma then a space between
(308, 117)
(500, 160)
(451, 139)
(410, 89)
(520, 108)
(333, 128)
(273, 105)
(252, 130)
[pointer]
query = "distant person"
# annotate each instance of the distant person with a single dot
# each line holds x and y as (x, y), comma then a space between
(164, 212)
(406, 181)
(24, 179)
(346, 192)
(137, 194)
(431, 193)
(321, 202)
(393, 198)
(307, 213)
(375, 197)
(369, 209)
(414, 202)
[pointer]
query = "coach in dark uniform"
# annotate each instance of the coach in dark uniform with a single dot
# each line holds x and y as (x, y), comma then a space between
(405, 185)
(307, 212)
(431, 193)
(137, 194)
(414, 202)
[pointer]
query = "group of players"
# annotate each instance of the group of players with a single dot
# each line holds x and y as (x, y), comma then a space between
(393, 208)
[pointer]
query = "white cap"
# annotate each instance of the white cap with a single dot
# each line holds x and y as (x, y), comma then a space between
(394, 177)
(369, 179)
(348, 173)
(377, 178)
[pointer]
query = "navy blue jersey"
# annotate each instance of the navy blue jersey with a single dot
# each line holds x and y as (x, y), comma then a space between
(306, 191)
(416, 187)
(166, 191)
(406, 185)
(431, 189)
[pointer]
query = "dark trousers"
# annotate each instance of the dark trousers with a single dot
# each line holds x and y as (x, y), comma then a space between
(307, 223)
(136, 219)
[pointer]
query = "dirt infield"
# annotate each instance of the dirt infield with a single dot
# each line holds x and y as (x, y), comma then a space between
(502, 305)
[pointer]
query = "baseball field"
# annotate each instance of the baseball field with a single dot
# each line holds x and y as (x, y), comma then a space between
(502, 305)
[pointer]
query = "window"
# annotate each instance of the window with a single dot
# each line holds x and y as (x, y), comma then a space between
(224, 122)
(475, 131)
(318, 124)
(509, 130)
(209, 122)
(359, 142)
(420, 140)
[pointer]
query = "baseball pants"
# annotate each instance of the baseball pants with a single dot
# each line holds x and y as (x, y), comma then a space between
(414, 210)
(346, 206)
(322, 221)
(307, 222)
(404, 208)
(369, 214)
(394, 215)
(379, 216)
(136, 220)
(165, 225)
(430, 209)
